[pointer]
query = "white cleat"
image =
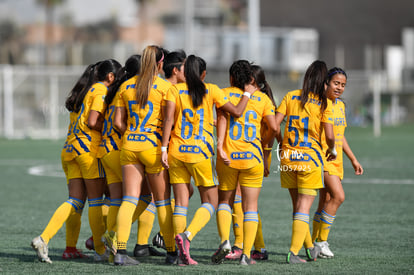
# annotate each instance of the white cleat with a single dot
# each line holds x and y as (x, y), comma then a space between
(325, 251)
(42, 250)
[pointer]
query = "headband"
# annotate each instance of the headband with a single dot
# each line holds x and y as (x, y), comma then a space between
(162, 58)
(337, 72)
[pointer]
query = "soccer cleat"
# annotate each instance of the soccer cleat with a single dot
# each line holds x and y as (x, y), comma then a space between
(73, 253)
(102, 257)
(171, 258)
(109, 239)
(325, 251)
(246, 261)
(294, 259)
(123, 259)
(146, 250)
(221, 253)
(183, 244)
(235, 253)
(258, 255)
(42, 250)
(89, 244)
(312, 253)
(158, 241)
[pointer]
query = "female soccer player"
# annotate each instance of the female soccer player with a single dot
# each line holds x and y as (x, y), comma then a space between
(139, 117)
(307, 112)
(332, 196)
(260, 252)
(241, 160)
(110, 148)
(190, 109)
(83, 170)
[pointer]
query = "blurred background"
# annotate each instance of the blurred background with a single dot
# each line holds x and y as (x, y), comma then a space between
(46, 44)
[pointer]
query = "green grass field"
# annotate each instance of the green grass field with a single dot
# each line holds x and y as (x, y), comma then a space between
(373, 232)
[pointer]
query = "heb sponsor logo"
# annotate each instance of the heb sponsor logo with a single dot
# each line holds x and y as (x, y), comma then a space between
(193, 149)
(299, 157)
(241, 155)
(137, 137)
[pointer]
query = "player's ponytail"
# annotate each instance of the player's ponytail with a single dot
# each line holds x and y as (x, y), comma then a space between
(260, 79)
(130, 69)
(74, 100)
(193, 69)
(150, 62)
(314, 82)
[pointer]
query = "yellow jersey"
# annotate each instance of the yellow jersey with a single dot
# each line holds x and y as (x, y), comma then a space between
(242, 142)
(336, 167)
(301, 146)
(144, 125)
(80, 138)
(111, 137)
(192, 139)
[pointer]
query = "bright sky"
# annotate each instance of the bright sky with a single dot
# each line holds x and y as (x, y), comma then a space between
(82, 11)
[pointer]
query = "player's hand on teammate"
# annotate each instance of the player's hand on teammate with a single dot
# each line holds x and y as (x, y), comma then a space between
(250, 88)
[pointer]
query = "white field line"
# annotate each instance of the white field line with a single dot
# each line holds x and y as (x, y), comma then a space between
(46, 171)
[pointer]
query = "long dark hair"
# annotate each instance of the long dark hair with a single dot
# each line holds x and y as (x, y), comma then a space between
(260, 79)
(130, 69)
(240, 73)
(314, 82)
(151, 57)
(193, 69)
(77, 94)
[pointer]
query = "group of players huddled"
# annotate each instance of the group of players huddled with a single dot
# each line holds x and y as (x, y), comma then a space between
(134, 136)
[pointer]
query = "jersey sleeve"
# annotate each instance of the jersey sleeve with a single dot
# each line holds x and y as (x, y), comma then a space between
(119, 100)
(219, 97)
(269, 108)
(98, 103)
(283, 105)
(171, 94)
(327, 115)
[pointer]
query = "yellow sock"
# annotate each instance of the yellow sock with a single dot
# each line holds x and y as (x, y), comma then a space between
(238, 222)
(105, 211)
(259, 241)
(113, 214)
(124, 220)
(143, 202)
(166, 223)
(60, 216)
(308, 239)
(250, 223)
(200, 219)
(145, 223)
(96, 223)
(326, 223)
(73, 225)
(300, 227)
(223, 218)
(179, 219)
(316, 226)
